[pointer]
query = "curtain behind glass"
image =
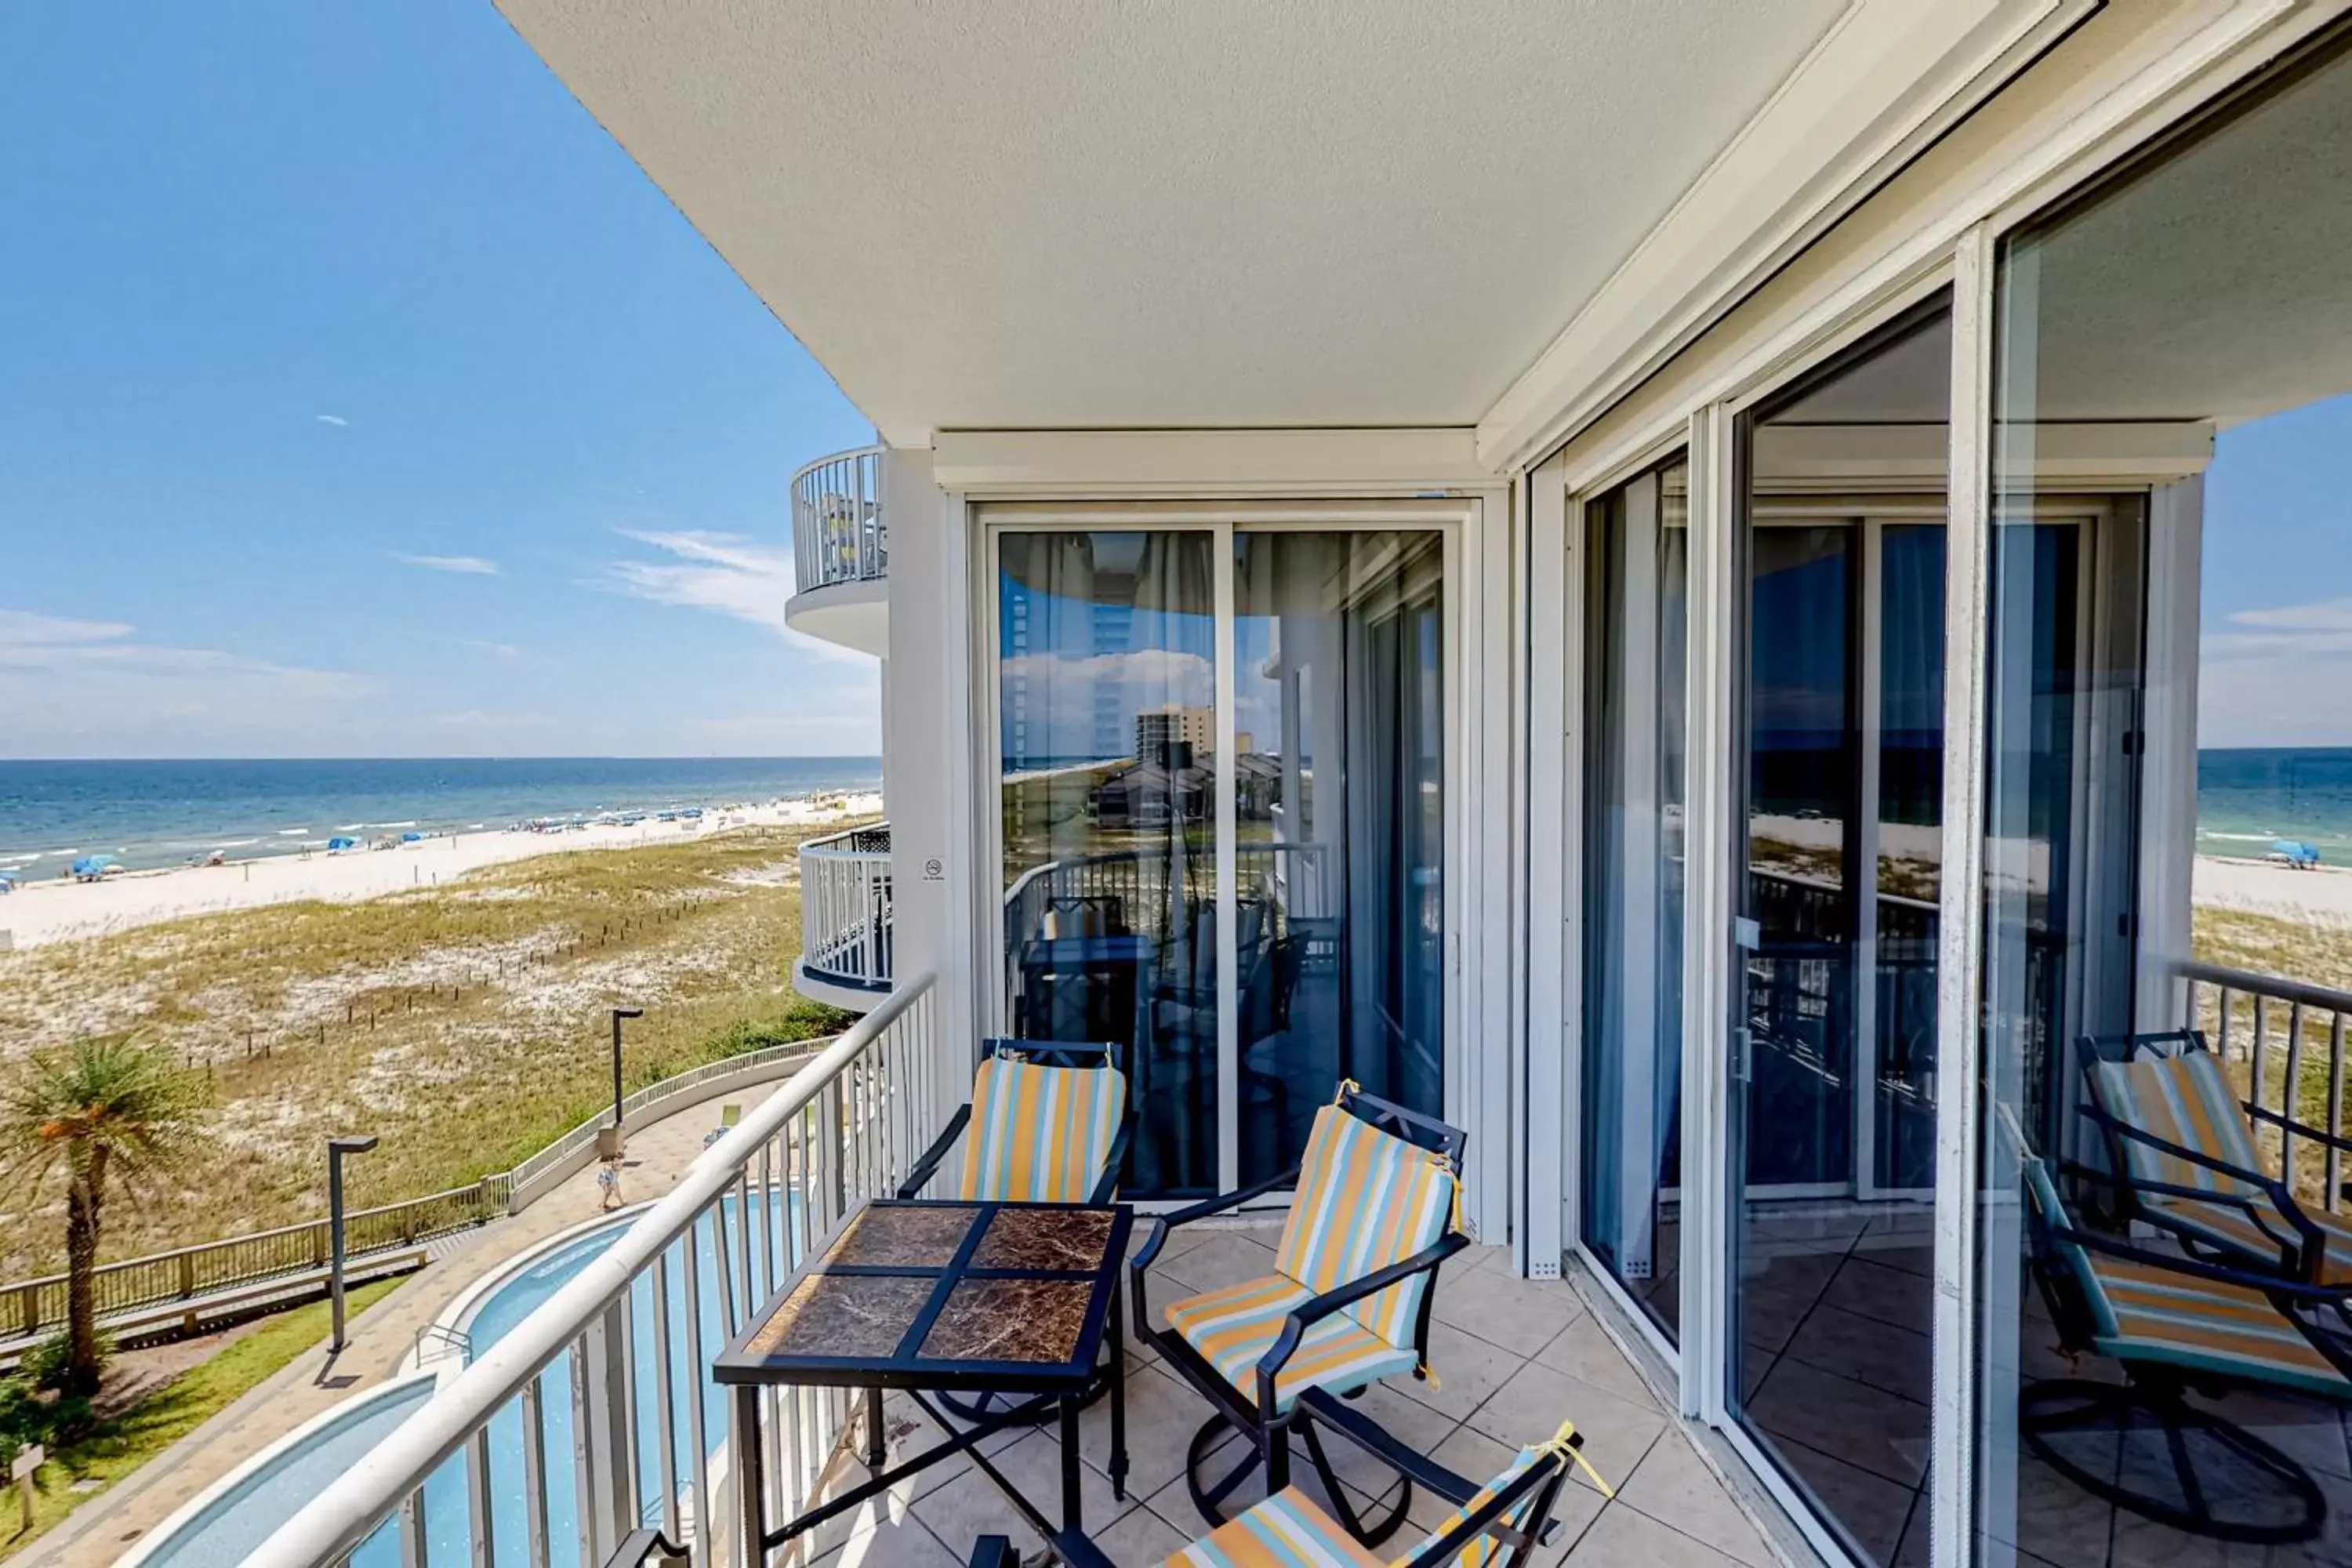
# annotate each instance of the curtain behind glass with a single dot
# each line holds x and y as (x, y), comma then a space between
(1107, 700)
(1636, 628)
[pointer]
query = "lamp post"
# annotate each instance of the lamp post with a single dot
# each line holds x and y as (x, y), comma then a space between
(336, 1149)
(608, 1144)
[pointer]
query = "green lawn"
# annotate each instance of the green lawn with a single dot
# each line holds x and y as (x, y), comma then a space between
(128, 1440)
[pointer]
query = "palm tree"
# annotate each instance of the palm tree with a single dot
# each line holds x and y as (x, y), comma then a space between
(101, 1110)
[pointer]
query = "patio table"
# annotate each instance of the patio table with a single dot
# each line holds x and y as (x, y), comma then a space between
(929, 1296)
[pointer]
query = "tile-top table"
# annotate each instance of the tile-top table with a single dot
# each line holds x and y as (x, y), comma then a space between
(956, 1297)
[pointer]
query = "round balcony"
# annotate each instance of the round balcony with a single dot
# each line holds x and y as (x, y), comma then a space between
(841, 552)
(845, 919)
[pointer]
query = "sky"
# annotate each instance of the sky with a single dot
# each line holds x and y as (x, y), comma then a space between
(360, 397)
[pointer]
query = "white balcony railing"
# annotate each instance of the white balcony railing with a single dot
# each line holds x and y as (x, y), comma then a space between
(837, 527)
(2289, 1035)
(845, 907)
(606, 1423)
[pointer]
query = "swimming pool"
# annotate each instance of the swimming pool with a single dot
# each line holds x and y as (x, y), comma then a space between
(226, 1524)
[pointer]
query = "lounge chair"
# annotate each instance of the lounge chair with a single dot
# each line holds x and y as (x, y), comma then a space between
(1049, 1123)
(1496, 1525)
(729, 1116)
(2184, 1145)
(1370, 1219)
(2177, 1325)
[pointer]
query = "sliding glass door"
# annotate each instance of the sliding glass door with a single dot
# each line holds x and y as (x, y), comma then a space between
(1223, 806)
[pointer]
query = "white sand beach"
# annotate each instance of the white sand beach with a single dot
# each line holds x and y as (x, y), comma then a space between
(2320, 896)
(53, 909)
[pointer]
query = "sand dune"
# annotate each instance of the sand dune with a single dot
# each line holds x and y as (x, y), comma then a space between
(50, 911)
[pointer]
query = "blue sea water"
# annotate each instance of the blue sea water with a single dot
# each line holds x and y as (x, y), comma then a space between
(2248, 796)
(167, 813)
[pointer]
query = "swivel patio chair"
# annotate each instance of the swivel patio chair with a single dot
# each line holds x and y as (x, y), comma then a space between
(2177, 1325)
(1048, 1123)
(2186, 1161)
(1371, 1217)
(1496, 1525)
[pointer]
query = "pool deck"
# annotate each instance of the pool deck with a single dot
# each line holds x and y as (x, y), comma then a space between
(98, 1532)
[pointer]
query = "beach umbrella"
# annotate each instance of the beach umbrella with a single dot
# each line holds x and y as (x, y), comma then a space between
(342, 842)
(412, 838)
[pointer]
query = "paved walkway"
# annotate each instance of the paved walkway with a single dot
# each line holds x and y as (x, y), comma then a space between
(99, 1530)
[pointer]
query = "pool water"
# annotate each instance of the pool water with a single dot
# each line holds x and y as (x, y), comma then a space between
(229, 1528)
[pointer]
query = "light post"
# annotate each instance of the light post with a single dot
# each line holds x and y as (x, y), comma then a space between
(336, 1149)
(608, 1142)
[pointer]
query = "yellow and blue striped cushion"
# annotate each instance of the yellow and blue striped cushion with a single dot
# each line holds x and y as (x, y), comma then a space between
(2158, 1314)
(1285, 1531)
(1486, 1549)
(1231, 1328)
(2187, 1099)
(2144, 1312)
(1366, 1199)
(1040, 1134)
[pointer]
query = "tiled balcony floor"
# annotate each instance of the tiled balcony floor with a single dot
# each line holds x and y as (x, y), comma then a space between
(1513, 1358)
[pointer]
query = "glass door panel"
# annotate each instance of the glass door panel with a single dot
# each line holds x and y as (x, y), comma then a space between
(1339, 814)
(1106, 707)
(1636, 560)
(1832, 1093)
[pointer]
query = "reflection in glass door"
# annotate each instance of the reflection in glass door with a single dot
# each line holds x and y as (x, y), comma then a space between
(1330, 937)
(1839, 731)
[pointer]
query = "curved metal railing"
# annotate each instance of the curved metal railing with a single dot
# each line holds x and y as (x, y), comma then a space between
(838, 534)
(845, 1127)
(845, 907)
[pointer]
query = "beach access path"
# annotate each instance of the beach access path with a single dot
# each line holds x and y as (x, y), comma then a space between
(55, 909)
(102, 1529)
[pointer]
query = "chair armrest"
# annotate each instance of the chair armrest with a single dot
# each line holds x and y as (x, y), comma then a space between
(1318, 1308)
(1074, 1547)
(2131, 1186)
(1375, 1440)
(2268, 1284)
(2318, 1135)
(1107, 1187)
(1146, 1254)
(928, 1166)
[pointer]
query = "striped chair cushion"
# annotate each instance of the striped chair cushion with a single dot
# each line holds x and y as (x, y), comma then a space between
(1486, 1549)
(1231, 1328)
(1040, 1134)
(1365, 1200)
(2184, 1099)
(2156, 1314)
(2142, 1313)
(2187, 1099)
(1285, 1531)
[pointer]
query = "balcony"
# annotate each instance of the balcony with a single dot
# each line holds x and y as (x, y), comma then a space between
(841, 553)
(845, 917)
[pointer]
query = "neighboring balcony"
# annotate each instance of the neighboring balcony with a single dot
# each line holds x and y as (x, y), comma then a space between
(845, 917)
(841, 552)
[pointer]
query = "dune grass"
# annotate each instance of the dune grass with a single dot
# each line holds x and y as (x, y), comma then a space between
(121, 1443)
(466, 1024)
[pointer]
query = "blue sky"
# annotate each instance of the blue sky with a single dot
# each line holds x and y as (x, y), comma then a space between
(361, 398)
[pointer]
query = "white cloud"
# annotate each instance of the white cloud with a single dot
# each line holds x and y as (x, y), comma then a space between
(2281, 680)
(499, 649)
(91, 688)
(723, 573)
(335, 419)
(471, 565)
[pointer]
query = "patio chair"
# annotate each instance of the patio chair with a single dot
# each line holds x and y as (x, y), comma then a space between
(1492, 1526)
(1371, 1216)
(1049, 1123)
(728, 1115)
(2178, 1324)
(2184, 1146)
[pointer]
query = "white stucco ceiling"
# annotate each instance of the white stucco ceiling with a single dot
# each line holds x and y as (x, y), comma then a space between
(1069, 213)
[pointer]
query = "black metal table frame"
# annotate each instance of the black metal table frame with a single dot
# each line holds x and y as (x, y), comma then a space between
(909, 1372)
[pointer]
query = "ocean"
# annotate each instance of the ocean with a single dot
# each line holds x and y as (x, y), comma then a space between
(2248, 796)
(149, 814)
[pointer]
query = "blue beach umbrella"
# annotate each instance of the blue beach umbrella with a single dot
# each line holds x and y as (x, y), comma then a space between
(89, 867)
(342, 842)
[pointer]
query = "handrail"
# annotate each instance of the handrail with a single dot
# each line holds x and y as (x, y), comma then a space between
(392, 1475)
(2279, 986)
(2242, 1027)
(846, 907)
